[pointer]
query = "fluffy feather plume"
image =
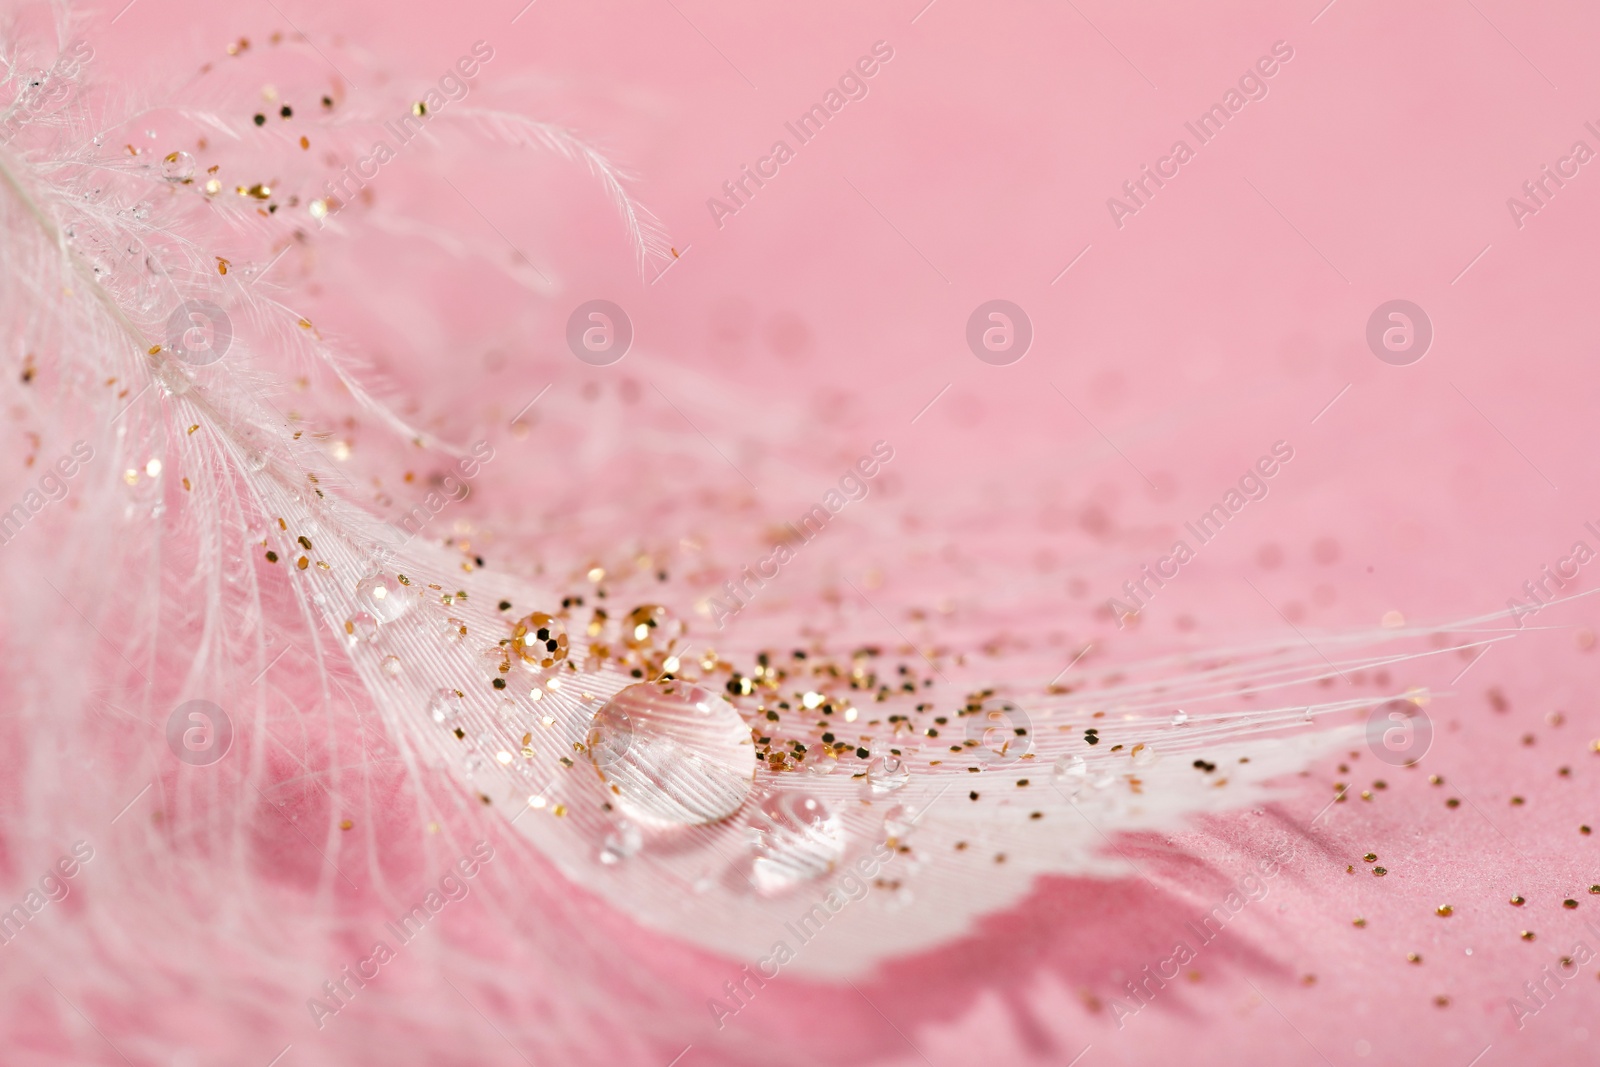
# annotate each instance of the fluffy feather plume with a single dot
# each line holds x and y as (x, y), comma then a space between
(292, 727)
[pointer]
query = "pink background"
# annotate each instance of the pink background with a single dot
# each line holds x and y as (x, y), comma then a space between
(1224, 316)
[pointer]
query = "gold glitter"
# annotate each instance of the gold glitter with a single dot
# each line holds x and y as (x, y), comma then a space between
(559, 810)
(1380, 871)
(1584, 830)
(1442, 1001)
(419, 109)
(155, 350)
(319, 209)
(1360, 924)
(1435, 779)
(305, 143)
(222, 265)
(1452, 803)
(213, 187)
(272, 557)
(1519, 900)
(1517, 802)
(1413, 957)
(1371, 857)
(1529, 935)
(193, 428)
(302, 563)
(1594, 889)
(186, 485)
(345, 824)
(1444, 911)
(1569, 903)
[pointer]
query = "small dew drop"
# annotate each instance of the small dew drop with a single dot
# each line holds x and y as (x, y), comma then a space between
(391, 666)
(885, 774)
(360, 628)
(540, 641)
(1070, 773)
(177, 167)
(383, 597)
(622, 842)
(1181, 718)
(445, 706)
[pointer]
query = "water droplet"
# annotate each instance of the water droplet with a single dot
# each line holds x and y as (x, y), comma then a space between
(885, 774)
(445, 705)
(623, 842)
(673, 754)
(796, 839)
(540, 641)
(173, 380)
(384, 597)
(1070, 772)
(360, 628)
(1144, 755)
(495, 662)
(391, 666)
(177, 167)
(452, 628)
(651, 626)
(1180, 718)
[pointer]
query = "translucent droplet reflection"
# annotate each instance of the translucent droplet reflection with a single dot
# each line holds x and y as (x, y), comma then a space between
(623, 842)
(445, 706)
(383, 597)
(1069, 774)
(673, 754)
(885, 774)
(540, 641)
(796, 839)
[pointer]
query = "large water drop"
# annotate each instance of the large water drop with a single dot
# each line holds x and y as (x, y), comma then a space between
(673, 754)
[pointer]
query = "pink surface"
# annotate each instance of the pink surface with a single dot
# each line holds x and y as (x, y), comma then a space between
(1171, 349)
